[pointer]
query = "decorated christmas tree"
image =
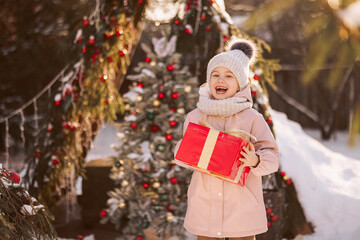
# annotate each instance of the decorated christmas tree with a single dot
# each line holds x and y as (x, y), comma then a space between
(151, 189)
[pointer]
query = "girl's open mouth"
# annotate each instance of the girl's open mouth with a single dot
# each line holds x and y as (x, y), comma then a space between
(221, 90)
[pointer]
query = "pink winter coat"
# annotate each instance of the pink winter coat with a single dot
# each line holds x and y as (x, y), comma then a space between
(217, 208)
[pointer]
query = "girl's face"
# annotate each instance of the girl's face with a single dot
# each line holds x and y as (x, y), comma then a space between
(223, 83)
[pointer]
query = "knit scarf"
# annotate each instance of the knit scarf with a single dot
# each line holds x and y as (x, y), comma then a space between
(223, 108)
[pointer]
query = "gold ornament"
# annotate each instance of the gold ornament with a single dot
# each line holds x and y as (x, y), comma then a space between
(156, 103)
(169, 217)
(124, 183)
(285, 177)
(156, 185)
(181, 111)
(187, 89)
(122, 204)
(139, 98)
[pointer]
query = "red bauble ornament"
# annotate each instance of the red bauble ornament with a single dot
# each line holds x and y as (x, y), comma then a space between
(140, 84)
(161, 95)
(173, 180)
(147, 59)
(253, 93)
(107, 35)
(109, 59)
(173, 123)
(273, 218)
(118, 34)
(103, 213)
(49, 129)
(84, 50)
(57, 103)
(37, 154)
(171, 166)
(91, 41)
(140, 1)
(169, 137)
(86, 22)
(15, 177)
(207, 28)
(121, 53)
(226, 38)
(283, 173)
(177, 22)
(269, 121)
(187, 31)
(79, 39)
(80, 237)
(66, 125)
(268, 224)
(268, 210)
(102, 79)
(170, 67)
(256, 77)
(173, 109)
(203, 17)
(106, 102)
(288, 182)
(139, 238)
(146, 185)
(175, 95)
(55, 162)
(154, 128)
(169, 208)
(133, 125)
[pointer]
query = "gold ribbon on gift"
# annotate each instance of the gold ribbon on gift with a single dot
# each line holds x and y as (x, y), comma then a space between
(210, 142)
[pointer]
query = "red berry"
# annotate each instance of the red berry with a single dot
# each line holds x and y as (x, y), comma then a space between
(274, 218)
(110, 59)
(268, 210)
(140, 1)
(154, 128)
(37, 154)
(269, 121)
(147, 59)
(55, 162)
(283, 173)
(49, 129)
(103, 213)
(203, 17)
(102, 79)
(79, 39)
(133, 125)
(106, 102)
(256, 77)
(177, 22)
(139, 238)
(268, 224)
(121, 53)
(173, 109)
(288, 182)
(66, 125)
(57, 103)
(91, 41)
(15, 177)
(173, 123)
(175, 95)
(86, 22)
(207, 28)
(84, 50)
(170, 68)
(173, 180)
(72, 127)
(187, 31)
(169, 208)
(169, 137)
(146, 185)
(107, 35)
(253, 93)
(140, 84)
(80, 237)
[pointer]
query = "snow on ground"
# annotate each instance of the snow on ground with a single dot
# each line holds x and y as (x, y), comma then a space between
(327, 182)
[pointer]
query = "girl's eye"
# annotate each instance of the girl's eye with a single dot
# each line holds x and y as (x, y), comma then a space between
(215, 75)
(229, 76)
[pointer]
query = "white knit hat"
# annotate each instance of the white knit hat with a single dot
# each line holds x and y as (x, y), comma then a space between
(238, 60)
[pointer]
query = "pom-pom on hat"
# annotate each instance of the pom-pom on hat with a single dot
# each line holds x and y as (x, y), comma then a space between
(237, 59)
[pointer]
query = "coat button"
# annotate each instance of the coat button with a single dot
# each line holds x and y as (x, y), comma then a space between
(219, 194)
(218, 233)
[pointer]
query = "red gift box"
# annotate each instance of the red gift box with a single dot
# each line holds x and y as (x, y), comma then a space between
(213, 152)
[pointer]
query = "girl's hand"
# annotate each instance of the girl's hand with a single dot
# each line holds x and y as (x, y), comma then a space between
(250, 157)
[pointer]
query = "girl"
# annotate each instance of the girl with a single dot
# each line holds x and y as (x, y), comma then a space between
(216, 208)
